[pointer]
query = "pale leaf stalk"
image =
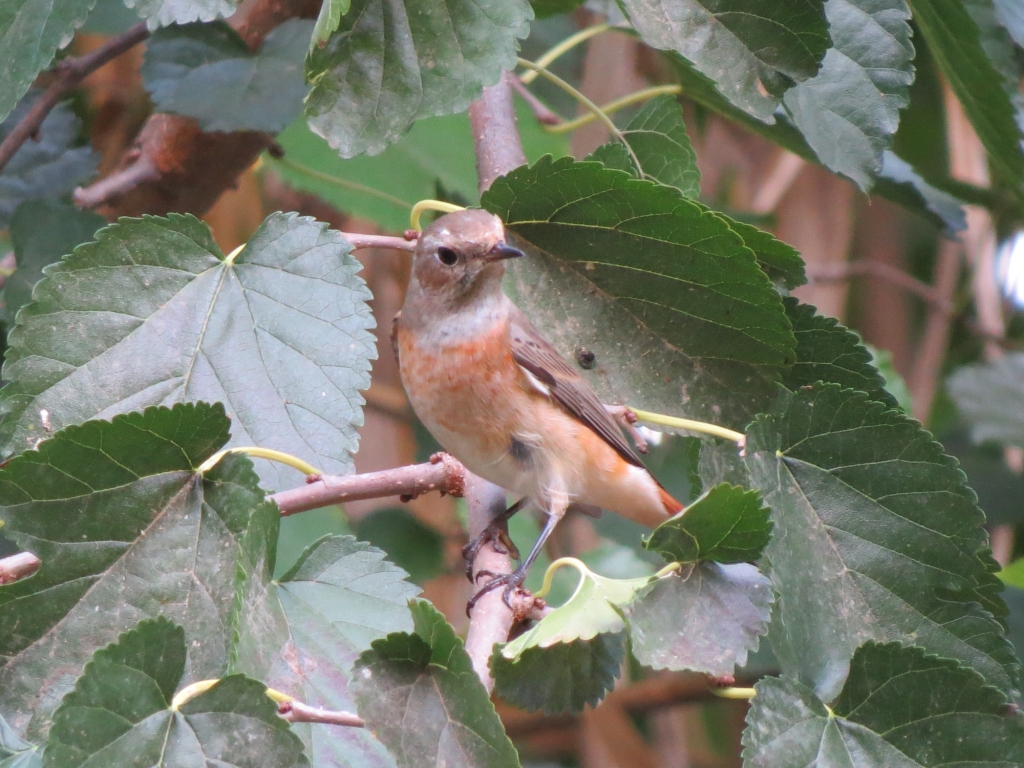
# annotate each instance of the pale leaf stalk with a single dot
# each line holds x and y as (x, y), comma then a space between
(564, 47)
(690, 425)
(261, 453)
(430, 205)
(565, 126)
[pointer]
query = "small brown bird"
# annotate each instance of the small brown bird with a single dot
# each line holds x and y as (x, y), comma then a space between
(500, 398)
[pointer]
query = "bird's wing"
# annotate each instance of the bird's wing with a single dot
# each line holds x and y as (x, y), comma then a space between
(534, 353)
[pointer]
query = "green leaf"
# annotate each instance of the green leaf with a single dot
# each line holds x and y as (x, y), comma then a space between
(900, 708)
(664, 293)
(30, 34)
(206, 71)
(16, 752)
(120, 712)
(727, 524)
(1013, 574)
(413, 546)
(564, 677)
(301, 633)
(827, 351)
(876, 537)
(161, 13)
(328, 21)
(390, 64)
(779, 260)
(657, 136)
(849, 111)
(110, 17)
(108, 507)
(705, 618)
(384, 188)
(50, 167)
(960, 35)
(990, 396)
(420, 696)
(42, 231)
(898, 181)
(751, 50)
(545, 8)
(999, 489)
(153, 313)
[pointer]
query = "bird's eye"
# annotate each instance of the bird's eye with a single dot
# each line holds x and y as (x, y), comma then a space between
(447, 256)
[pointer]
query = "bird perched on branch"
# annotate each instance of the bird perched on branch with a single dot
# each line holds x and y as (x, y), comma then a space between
(500, 398)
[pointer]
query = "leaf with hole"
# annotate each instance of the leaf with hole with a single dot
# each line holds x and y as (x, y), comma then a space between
(301, 633)
(126, 529)
(849, 111)
(751, 50)
(727, 524)
(706, 618)
(877, 537)
(206, 71)
(390, 64)
(657, 136)
(154, 313)
(419, 695)
(49, 167)
(666, 295)
(899, 708)
(120, 713)
(42, 231)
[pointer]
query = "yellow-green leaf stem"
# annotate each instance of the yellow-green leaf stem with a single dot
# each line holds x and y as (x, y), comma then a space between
(338, 182)
(733, 692)
(563, 47)
(191, 691)
(690, 426)
(261, 453)
(430, 205)
(613, 106)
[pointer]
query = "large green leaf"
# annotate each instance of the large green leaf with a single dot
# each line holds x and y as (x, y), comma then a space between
(876, 537)
(391, 63)
(42, 231)
(384, 188)
(328, 20)
(898, 181)
(727, 524)
(752, 50)
(827, 351)
(991, 398)
(126, 530)
(30, 34)
(120, 713)
(668, 298)
(899, 708)
(657, 136)
(50, 166)
(705, 618)
(415, 547)
(206, 71)
(419, 695)
(153, 313)
(961, 36)
(849, 111)
(301, 633)
(160, 13)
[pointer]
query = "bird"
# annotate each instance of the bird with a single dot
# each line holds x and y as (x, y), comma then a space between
(501, 399)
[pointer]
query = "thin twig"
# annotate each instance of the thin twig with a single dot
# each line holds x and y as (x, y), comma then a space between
(69, 73)
(934, 296)
(360, 240)
(442, 473)
(543, 113)
(297, 712)
(18, 567)
(117, 184)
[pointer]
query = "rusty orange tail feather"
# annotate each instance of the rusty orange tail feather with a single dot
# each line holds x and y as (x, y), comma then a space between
(672, 506)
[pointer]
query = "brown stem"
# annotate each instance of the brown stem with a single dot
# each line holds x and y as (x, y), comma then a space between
(541, 111)
(833, 272)
(442, 473)
(496, 133)
(360, 240)
(117, 184)
(69, 73)
(297, 712)
(18, 567)
(928, 365)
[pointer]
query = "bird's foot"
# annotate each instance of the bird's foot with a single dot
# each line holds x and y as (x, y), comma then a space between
(498, 536)
(513, 583)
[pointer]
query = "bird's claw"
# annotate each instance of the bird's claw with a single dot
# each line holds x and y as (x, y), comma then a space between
(513, 583)
(498, 537)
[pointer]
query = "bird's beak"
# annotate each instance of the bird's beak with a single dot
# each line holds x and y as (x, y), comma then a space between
(503, 251)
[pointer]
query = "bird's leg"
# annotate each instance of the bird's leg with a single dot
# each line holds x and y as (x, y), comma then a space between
(513, 581)
(495, 532)
(627, 420)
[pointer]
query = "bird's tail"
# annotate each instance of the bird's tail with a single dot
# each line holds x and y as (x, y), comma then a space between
(672, 507)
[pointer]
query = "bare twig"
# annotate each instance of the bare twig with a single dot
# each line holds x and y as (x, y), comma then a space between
(18, 567)
(541, 111)
(442, 473)
(360, 240)
(297, 712)
(925, 379)
(780, 177)
(883, 271)
(69, 73)
(117, 184)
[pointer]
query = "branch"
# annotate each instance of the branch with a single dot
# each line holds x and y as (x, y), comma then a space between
(296, 712)
(69, 73)
(442, 473)
(18, 566)
(934, 296)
